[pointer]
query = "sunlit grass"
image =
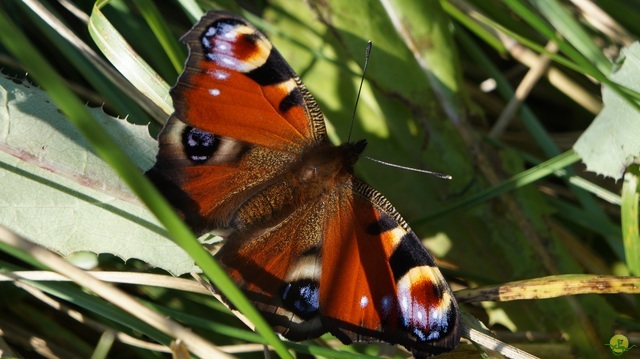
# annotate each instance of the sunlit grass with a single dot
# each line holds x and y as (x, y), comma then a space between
(520, 205)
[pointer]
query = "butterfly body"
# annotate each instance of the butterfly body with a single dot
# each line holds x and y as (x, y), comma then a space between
(316, 249)
(309, 179)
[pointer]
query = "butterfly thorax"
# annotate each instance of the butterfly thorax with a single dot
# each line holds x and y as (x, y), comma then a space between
(318, 171)
(322, 165)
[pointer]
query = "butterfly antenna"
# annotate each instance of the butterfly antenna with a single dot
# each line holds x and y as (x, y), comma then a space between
(367, 54)
(437, 174)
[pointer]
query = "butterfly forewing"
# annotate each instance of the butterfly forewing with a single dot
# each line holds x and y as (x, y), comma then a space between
(234, 75)
(241, 116)
(314, 248)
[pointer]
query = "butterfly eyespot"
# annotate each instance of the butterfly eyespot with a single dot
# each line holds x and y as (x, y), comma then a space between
(199, 145)
(217, 43)
(426, 327)
(219, 28)
(428, 323)
(302, 297)
(233, 45)
(431, 328)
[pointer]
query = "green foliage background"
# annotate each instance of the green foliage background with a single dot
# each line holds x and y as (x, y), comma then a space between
(520, 204)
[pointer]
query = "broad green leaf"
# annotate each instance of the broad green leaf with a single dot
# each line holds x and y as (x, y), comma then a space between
(610, 144)
(57, 192)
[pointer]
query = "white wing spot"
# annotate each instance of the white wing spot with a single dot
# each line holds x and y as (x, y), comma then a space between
(364, 301)
(221, 75)
(420, 334)
(228, 62)
(206, 43)
(214, 92)
(218, 74)
(404, 297)
(210, 31)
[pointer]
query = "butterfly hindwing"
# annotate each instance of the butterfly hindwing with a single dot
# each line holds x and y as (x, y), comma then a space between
(365, 277)
(378, 281)
(284, 284)
(317, 251)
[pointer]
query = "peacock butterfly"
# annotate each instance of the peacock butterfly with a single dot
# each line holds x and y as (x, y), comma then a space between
(246, 154)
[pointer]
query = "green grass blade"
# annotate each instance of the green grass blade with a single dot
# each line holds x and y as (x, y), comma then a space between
(192, 9)
(575, 34)
(520, 180)
(472, 25)
(158, 25)
(84, 61)
(104, 345)
(198, 322)
(630, 235)
(585, 65)
(542, 26)
(125, 59)
(79, 297)
(597, 224)
(533, 125)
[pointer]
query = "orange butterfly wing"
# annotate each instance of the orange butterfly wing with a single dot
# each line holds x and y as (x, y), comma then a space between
(317, 250)
(378, 282)
(263, 264)
(241, 116)
(346, 263)
(237, 85)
